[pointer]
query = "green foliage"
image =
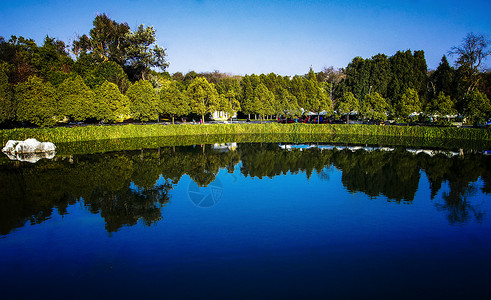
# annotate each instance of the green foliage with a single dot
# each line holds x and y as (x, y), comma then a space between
(112, 106)
(172, 100)
(203, 97)
(348, 104)
(408, 104)
(375, 107)
(477, 107)
(140, 56)
(442, 105)
(36, 102)
(106, 41)
(76, 100)
(6, 105)
(143, 101)
(156, 135)
(263, 101)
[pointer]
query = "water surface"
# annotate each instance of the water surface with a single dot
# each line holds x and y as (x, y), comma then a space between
(247, 221)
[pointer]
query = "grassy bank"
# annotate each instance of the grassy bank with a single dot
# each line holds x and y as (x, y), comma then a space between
(243, 132)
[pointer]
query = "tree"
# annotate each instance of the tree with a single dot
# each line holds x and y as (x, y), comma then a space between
(375, 107)
(76, 100)
(229, 102)
(229, 90)
(36, 102)
(471, 55)
(286, 104)
(107, 41)
(441, 105)
(247, 96)
(442, 80)
(143, 101)
(142, 54)
(348, 104)
(112, 106)
(203, 97)
(6, 105)
(317, 99)
(263, 101)
(477, 107)
(172, 100)
(408, 104)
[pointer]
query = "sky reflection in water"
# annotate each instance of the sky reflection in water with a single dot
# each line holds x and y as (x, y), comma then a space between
(258, 222)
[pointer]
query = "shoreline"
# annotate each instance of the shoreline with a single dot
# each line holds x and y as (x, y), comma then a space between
(130, 136)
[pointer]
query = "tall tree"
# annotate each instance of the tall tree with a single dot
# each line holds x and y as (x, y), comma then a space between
(263, 101)
(348, 104)
(172, 100)
(143, 101)
(142, 53)
(203, 97)
(477, 107)
(408, 104)
(76, 100)
(6, 104)
(471, 54)
(375, 107)
(106, 42)
(36, 102)
(441, 105)
(442, 80)
(112, 106)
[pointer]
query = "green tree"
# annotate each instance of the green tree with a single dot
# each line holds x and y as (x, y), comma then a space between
(76, 99)
(317, 99)
(442, 80)
(143, 101)
(408, 104)
(106, 42)
(36, 102)
(477, 107)
(172, 100)
(348, 104)
(203, 97)
(247, 96)
(229, 102)
(142, 53)
(263, 101)
(112, 106)
(441, 105)
(375, 107)
(6, 105)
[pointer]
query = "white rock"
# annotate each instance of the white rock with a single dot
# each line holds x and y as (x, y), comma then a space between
(29, 150)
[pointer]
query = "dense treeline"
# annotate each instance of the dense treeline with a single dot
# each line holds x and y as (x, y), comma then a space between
(115, 74)
(125, 187)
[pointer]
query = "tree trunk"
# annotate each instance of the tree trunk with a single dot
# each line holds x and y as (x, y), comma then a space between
(347, 118)
(261, 118)
(203, 118)
(319, 118)
(172, 119)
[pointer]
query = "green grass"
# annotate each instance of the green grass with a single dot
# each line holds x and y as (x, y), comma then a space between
(362, 132)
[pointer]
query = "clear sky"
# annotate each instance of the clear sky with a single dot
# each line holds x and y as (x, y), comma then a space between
(245, 37)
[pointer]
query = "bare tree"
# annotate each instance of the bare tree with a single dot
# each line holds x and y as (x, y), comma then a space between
(471, 55)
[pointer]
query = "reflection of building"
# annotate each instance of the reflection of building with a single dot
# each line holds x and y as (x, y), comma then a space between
(333, 147)
(221, 115)
(225, 146)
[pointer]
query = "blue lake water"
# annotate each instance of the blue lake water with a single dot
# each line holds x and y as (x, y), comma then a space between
(251, 221)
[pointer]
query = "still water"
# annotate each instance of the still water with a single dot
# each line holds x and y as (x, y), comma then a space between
(247, 221)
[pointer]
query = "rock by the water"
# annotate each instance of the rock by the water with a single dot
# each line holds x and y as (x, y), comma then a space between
(30, 150)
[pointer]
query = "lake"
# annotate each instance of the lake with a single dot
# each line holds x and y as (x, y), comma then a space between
(248, 221)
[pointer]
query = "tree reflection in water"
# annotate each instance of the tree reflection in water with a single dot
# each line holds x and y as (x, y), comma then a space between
(124, 187)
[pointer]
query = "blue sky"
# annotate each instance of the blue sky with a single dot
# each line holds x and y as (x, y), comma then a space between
(245, 37)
